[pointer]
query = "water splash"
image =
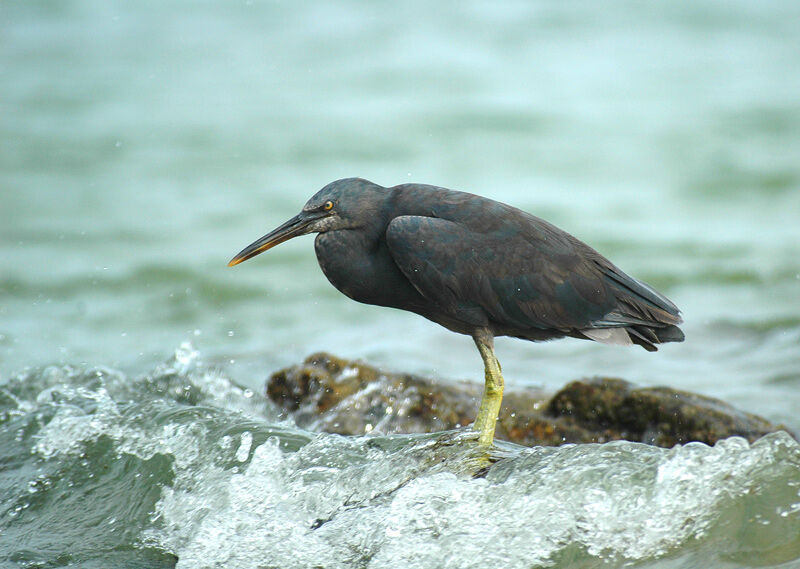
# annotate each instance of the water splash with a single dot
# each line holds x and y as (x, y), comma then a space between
(181, 462)
(341, 502)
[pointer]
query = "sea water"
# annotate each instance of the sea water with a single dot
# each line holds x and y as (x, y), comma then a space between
(143, 144)
(180, 465)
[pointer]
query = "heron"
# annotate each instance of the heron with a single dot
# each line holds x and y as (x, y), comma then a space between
(476, 266)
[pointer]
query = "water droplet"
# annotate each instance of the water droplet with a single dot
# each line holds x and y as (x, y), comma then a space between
(244, 447)
(185, 355)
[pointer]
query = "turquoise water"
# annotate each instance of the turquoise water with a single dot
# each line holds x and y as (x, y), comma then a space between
(143, 144)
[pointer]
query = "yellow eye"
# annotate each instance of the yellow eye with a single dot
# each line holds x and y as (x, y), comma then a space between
(327, 206)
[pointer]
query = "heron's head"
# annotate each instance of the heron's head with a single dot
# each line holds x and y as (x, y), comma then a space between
(344, 204)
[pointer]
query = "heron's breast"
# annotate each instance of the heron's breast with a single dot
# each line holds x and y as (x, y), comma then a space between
(363, 270)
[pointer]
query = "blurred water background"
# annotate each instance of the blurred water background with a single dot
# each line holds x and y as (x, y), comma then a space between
(142, 144)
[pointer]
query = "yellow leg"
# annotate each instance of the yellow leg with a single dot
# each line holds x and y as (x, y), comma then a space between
(492, 392)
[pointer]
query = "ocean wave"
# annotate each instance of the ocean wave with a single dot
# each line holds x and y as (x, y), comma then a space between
(182, 466)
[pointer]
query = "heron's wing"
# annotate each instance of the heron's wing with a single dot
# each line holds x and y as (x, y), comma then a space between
(517, 277)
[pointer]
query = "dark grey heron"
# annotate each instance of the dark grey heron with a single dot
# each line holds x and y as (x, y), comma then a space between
(477, 267)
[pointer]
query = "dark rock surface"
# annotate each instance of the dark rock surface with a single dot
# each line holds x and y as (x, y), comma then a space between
(326, 393)
(662, 416)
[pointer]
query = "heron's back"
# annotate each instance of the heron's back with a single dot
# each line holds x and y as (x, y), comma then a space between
(479, 262)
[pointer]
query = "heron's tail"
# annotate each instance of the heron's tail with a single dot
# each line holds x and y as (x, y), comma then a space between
(643, 316)
(647, 337)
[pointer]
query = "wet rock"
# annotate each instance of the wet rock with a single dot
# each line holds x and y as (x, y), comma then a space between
(330, 394)
(615, 409)
(326, 393)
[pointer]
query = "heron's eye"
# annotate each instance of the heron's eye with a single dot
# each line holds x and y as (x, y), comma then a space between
(328, 205)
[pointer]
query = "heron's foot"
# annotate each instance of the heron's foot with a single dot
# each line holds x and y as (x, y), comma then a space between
(482, 462)
(483, 457)
(461, 453)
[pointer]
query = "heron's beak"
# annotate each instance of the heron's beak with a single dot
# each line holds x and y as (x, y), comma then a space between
(296, 226)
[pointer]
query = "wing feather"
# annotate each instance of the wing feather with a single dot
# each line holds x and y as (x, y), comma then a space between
(514, 283)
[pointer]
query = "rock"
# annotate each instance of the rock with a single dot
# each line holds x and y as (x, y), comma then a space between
(326, 393)
(615, 409)
(329, 394)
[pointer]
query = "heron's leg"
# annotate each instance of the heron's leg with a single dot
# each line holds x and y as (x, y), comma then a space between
(493, 390)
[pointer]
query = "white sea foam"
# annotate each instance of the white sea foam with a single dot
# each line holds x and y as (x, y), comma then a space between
(619, 502)
(248, 493)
